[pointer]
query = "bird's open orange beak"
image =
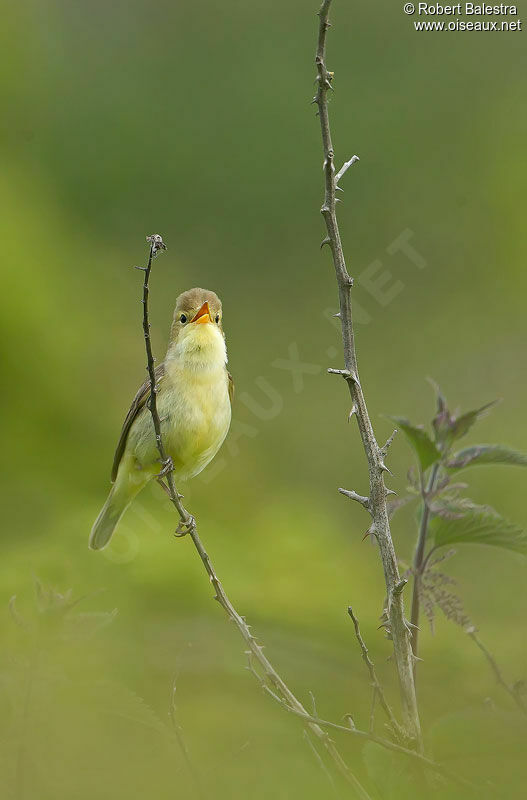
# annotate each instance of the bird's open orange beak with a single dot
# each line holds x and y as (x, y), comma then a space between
(203, 315)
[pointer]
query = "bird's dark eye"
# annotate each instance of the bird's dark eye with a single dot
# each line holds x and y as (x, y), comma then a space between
(217, 318)
(183, 318)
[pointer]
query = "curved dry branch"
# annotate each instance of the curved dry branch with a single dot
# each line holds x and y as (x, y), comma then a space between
(188, 526)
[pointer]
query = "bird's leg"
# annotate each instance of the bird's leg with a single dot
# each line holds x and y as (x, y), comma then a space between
(163, 486)
(185, 526)
(167, 466)
(166, 489)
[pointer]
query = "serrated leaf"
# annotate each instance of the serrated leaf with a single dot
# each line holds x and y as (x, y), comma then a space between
(426, 451)
(459, 426)
(449, 506)
(479, 525)
(486, 454)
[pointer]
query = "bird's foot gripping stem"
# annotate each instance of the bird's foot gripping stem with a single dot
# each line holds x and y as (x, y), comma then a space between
(185, 526)
(167, 466)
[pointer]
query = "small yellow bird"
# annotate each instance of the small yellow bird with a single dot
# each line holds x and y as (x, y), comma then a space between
(194, 404)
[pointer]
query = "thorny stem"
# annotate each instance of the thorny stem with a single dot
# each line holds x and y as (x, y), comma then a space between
(270, 675)
(419, 560)
(374, 454)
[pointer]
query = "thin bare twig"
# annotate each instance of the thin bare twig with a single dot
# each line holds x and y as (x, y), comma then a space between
(359, 498)
(344, 168)
(417, 758)
(374, 454)
(189, 526)
(514, 693)
(377, 687)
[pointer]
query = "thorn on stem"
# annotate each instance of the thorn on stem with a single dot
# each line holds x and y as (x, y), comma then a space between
(370, 532)
(384, 468)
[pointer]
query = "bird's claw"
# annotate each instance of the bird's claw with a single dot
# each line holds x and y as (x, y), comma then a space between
(185, 526)
(168, 466)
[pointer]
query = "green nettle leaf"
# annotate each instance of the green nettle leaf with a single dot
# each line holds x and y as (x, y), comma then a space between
(461, 425)
(427, 452)
(449, 506)
(486, 454)
(441, 421)
(478, 525)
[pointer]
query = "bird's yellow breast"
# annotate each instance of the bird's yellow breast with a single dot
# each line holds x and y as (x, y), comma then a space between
(196, 412)
(193, 406)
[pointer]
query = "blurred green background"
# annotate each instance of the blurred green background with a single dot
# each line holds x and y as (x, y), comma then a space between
(193, 120)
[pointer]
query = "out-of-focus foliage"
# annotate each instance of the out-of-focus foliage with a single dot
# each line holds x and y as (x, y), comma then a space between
(193, 120)
(447, 516)
(457, 519)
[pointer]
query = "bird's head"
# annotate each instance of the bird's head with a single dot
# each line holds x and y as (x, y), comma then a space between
(197, 332)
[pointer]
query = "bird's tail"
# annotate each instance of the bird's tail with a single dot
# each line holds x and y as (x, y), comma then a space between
(121, 495)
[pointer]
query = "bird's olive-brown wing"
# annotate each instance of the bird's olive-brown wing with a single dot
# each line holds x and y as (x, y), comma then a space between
(231, 387)
(138, 403)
